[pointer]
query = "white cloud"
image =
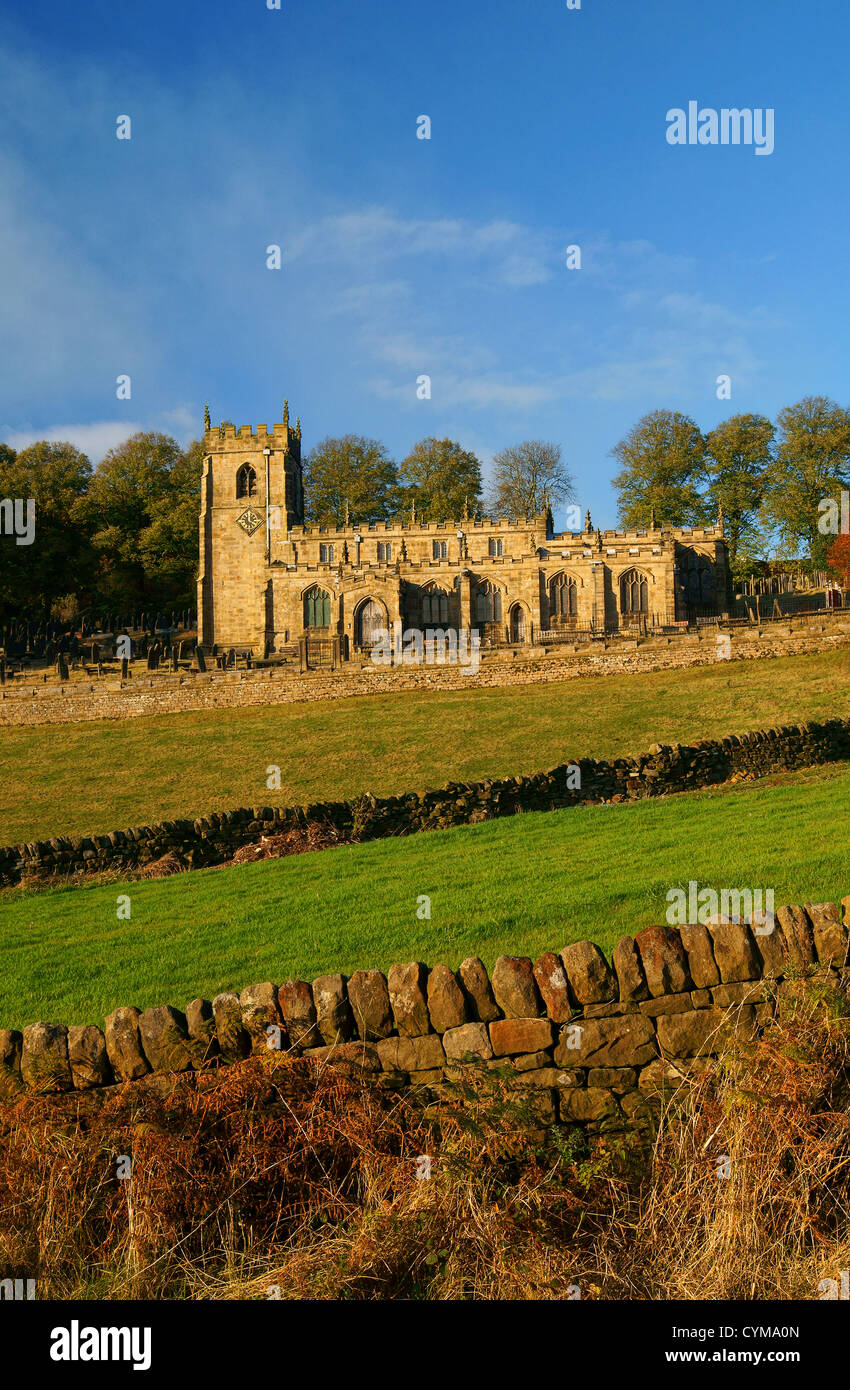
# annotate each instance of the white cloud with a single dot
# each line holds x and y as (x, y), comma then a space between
(512, 255)
(94, 439)
(99, 436)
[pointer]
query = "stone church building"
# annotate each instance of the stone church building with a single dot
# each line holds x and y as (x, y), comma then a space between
(268, 582)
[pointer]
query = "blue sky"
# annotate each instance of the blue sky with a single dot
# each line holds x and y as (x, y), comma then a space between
(404, 257)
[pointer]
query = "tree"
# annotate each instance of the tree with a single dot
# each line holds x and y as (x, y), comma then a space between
(838, 558)
(442, 479)
(528, 479)
(168, 546)
(662, 468)
(740, 456)
(134, 488)
(352, 470)
(55, 476)
(812, 462)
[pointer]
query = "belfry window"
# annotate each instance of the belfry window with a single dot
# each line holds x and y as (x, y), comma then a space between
(385, 552)
(246, 481)
(439, 550)
(495, 547)
(326, 554)
(317, 608)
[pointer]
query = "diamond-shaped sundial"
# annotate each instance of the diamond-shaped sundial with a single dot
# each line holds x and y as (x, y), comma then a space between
(250, 521)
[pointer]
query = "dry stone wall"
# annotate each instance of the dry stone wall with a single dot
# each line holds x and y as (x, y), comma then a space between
(586, 1040)
(663, 770)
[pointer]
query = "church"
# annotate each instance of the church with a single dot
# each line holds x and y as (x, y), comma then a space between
(272, 584)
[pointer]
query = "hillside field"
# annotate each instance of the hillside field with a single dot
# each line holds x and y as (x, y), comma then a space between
(515, 886)
(88, 778)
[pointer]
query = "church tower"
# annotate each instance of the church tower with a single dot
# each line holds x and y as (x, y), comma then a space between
(252, 494)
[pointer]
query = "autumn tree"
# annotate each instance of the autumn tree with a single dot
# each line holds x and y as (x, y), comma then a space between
(740, 457)
(663, 468)
(55, 475)
(812, 462)
(838, 558)
(138, 509)
(442, 478)
(350, 470)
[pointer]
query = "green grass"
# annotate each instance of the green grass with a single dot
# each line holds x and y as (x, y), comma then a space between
(106, 775)
(514, 886)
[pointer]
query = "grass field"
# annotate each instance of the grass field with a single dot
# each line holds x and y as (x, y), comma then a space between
(93, 777)
(515, 886)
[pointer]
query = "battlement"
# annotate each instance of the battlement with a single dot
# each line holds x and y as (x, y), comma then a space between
(425, 528)
(227, 435)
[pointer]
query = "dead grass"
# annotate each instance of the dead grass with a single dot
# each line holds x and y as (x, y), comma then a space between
(268, 1180)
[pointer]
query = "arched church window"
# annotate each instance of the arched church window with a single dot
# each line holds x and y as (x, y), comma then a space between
(246, 481)
(317, 608)
(488, 604)
(435, 606)
(634, 592)
(563, 596)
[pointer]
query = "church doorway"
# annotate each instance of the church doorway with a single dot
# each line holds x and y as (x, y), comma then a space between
(369, 624)
(517, 623)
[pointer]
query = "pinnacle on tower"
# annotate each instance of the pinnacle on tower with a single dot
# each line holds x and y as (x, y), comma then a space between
(207, 416)
(652, 519)
(286, 413)
(587, 525)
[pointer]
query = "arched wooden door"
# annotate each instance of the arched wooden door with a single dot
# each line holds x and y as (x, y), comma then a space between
(369, 625)
(517, 623)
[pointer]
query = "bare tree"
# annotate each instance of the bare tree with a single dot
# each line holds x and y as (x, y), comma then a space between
(528, 478)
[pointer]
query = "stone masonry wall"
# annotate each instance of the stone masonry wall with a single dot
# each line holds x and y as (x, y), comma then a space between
(586, 1041)
(663, 770)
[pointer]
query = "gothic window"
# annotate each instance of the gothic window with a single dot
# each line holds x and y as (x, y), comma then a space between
(563, 597)
(385, 552)
(435, 606)
(326, 554)
(246, 481)
(634, 592)
(488, 604)
(495, 547)
(439, 549)
(317, 608)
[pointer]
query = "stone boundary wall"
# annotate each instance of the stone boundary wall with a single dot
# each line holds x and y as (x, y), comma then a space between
(145, 696)
(586, 1041)
(665, 769)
